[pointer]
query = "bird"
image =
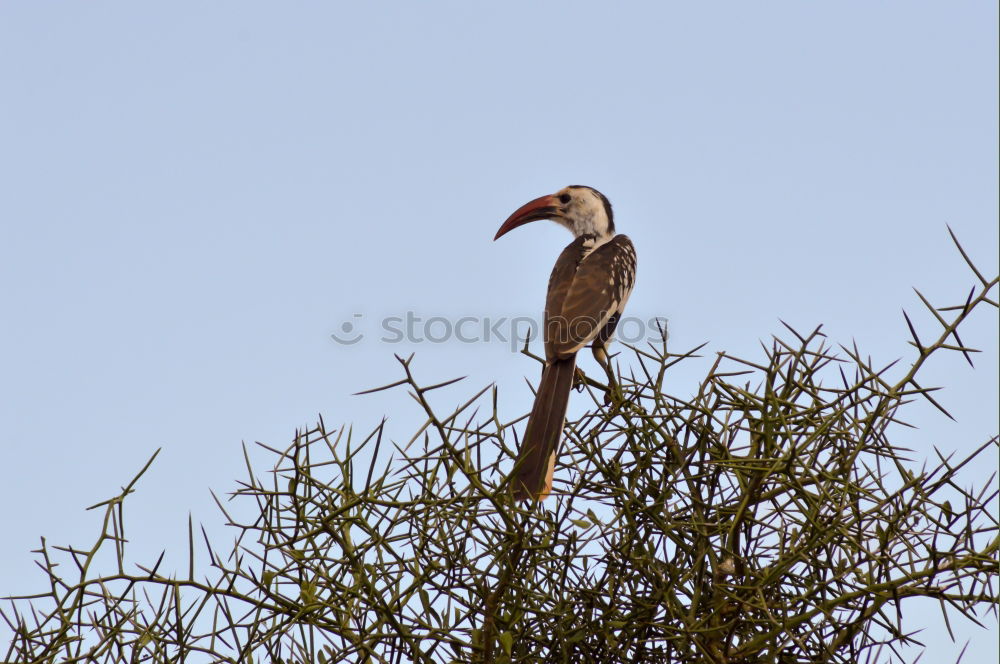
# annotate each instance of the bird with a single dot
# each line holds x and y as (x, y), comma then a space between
(589, 286)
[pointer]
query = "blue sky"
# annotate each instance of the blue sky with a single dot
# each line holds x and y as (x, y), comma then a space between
(196, 195)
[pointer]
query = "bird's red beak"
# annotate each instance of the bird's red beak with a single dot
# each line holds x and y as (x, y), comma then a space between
(540, 208)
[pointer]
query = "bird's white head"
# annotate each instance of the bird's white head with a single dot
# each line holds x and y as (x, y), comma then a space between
(583, 210)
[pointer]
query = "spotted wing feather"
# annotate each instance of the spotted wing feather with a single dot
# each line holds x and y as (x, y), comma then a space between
(585, 305)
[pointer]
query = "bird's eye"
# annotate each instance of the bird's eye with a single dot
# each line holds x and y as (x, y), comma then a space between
(564, 199)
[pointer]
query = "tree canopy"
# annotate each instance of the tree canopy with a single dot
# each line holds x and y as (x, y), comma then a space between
(768, 517)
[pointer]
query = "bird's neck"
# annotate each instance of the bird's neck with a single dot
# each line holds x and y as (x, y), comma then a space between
(591, 241)
(593, 224)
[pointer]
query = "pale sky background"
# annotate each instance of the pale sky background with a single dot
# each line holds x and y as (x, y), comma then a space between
(196, 195)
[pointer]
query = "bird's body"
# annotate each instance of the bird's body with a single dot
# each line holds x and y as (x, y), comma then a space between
(588, 289)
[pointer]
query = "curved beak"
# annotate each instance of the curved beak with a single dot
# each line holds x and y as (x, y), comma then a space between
(545, 207)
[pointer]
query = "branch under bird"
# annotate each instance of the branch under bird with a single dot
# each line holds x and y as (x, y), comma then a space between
(589, 286)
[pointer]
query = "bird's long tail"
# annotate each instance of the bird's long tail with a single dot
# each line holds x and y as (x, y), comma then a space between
(537, 456)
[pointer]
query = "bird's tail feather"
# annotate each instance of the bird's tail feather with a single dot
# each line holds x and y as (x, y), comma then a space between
(536, 456)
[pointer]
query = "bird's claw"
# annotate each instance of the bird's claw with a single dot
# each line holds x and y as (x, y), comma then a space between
(613, 396)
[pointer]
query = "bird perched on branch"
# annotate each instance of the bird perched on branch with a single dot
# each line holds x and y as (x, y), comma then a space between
(588, 289)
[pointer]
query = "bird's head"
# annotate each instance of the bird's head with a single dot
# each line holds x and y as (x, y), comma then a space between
(583, 210)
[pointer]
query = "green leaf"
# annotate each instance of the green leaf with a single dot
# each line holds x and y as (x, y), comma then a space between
(425, 599)
(507, 641)
(307, 591)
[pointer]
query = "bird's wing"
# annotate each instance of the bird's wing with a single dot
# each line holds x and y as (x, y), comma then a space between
(580, 305)
(561, 279)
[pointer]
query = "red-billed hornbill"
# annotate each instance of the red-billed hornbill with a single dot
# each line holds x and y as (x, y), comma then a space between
(588, 289)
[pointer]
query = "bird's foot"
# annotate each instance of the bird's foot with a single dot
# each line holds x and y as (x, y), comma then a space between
(614, 396)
